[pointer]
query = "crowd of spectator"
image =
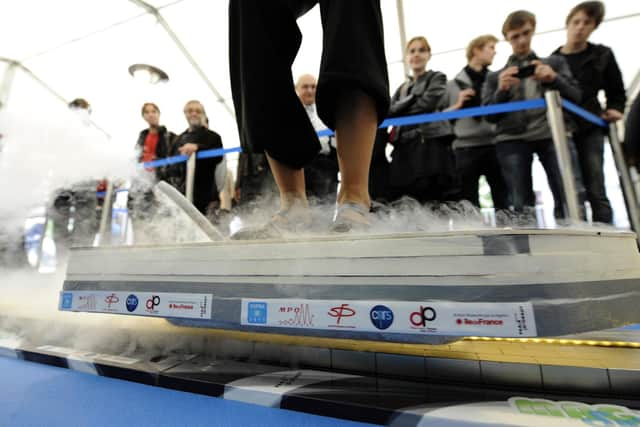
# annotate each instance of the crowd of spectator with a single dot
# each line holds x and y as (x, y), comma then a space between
(432, 162)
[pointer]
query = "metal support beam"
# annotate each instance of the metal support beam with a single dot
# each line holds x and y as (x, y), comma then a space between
(48, 88)
(630, 196)
(190, 177)
(559, 135)
(167, 28)
(403, 33)
(7, 82)
(633, 89)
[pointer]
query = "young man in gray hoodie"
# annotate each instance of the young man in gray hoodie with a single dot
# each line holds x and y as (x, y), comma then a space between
(474, 144)
(519, 134)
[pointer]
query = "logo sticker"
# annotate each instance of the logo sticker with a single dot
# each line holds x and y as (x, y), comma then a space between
(422, 316)
(111, 299)
(381, 316)
(132, 303)
(152, 303)
(67, 300)
(340, 312)
(257, 313)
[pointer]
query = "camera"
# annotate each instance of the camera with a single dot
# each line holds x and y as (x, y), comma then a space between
(526, 71)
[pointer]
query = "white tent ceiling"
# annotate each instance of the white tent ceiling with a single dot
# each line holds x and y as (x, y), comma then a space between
(83, 48)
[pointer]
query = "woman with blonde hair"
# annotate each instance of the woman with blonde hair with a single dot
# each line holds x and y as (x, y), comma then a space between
(422, 165)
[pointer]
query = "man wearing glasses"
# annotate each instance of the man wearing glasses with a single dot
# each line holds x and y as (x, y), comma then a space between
(198, 138)
(522, 133)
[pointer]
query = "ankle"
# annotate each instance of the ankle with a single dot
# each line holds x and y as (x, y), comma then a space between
(363, 200)
(293, 200)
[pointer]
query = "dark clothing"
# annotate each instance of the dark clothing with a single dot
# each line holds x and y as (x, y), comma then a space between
(204, 187)
(472, 162)
(263, 42)
(379, 171)
(424, 169)
(424, 95)
(474, 146)
(595, 69)
(590, 147)
(254, 178)
(511, 126)
(530, 129)
(321, 176)
(476, 78)
(515, 158)
(422, 161)
(163, 148)
(632, 132)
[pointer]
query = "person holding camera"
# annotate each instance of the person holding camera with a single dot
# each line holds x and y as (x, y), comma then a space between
(595, 68)
(522, 133)
(474, 145)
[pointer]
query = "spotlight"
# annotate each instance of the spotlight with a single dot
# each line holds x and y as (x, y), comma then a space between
(148, 74)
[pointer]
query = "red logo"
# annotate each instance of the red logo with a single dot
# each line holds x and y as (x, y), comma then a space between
(152, 303)
(342, 311)
(111, 299)
(480, 322)
(181, 306)
(422, 316)
(301, 316)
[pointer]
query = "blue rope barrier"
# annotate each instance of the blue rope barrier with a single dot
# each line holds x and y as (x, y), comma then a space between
(507, 107)
(216, 152)
(588, 116)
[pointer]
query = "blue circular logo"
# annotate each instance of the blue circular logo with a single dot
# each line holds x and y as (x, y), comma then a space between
(132, 302)
(381, 316)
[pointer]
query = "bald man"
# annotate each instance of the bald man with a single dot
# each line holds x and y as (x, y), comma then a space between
(321, 175)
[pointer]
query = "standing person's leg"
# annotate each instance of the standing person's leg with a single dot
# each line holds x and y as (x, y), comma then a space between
(515, 159)
(468, 166)
(547, 155)
(356, 124)
(491, 171)
(353, 94)
(591, 154)
(263, 42)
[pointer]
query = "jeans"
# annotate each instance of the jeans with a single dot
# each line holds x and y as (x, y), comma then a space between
(590, 146)
(515, 158)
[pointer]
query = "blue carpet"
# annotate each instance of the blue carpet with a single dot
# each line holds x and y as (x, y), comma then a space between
(40, 395)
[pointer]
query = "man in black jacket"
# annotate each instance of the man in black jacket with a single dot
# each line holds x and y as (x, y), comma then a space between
(522, 133)
(595, 68)
(198, 138)
(321, 175)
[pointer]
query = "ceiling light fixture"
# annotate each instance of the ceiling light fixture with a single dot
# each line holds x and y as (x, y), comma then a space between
(148, 74)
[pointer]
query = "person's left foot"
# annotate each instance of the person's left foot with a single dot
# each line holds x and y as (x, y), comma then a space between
(350, 216)
(291, 220)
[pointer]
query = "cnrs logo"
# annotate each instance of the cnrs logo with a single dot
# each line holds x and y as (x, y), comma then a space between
(381, 316)
(422, 316)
